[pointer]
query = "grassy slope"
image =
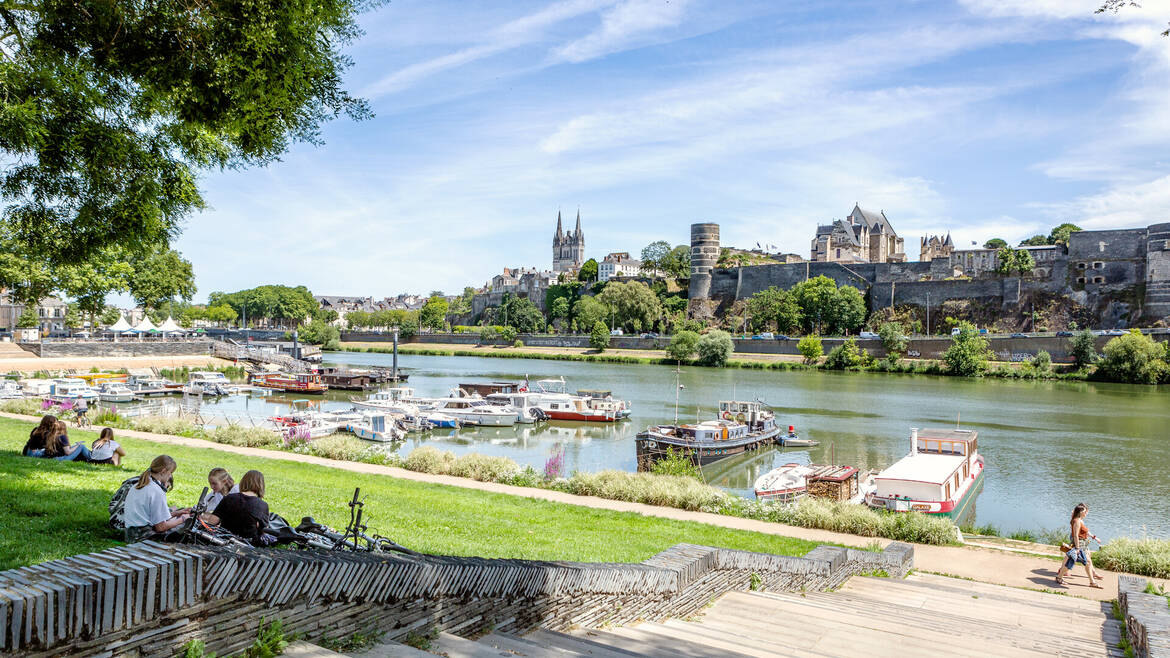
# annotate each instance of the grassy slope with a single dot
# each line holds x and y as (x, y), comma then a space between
(52, 509)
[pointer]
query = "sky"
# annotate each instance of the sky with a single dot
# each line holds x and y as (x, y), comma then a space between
(981, 118)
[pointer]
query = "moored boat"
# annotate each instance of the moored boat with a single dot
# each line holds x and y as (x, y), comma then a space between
(72, 390)
(742, 426)
(375, 427)
(307, 383)
(115, 392)
(474, 411)
(941, 475)
(783, 484)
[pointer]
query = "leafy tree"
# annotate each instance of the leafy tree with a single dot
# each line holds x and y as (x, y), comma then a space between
(588, 311)
(160, 277)
(1014, 261)
(968, 353)
(715, 348)
(461, 305)
(318, 332)
(1034, 241)
(518, 312)
(508, 335)
(811, 349)
(28, 319)
(634, 306)
(1083, 348)
(846, 310)
(599, 336)
(1042, 362)
(655, 256)
(434, 313)
(825, 308)
(111, 108)
(682, 345)
(73, 318)
(995, 243)
(1060, 234)
(893, 340)
(487, 335)
(678, 263)
(588, 271)
(110, 316)
(568, 292)
(1134, 358)
(774, 308)
(560, 309)
(847, 356)
(272, 304)
(221, 314)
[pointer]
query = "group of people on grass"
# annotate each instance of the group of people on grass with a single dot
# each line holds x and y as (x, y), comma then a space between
(50, 440)
(139, 507)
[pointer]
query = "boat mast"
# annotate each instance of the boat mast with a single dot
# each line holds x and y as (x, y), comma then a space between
(677, 386)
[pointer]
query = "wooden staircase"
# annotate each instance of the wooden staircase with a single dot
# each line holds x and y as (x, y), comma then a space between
(9, 350)
(923, 615)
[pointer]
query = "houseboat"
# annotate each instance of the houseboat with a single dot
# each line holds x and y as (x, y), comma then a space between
(484, 389)
(941, 475)
(305, 383)
(70, 389)
(527, 405)
(349, 380)
(741, 426)
(587, 406)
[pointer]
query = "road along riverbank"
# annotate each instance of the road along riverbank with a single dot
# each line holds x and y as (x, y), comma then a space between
(982, 564)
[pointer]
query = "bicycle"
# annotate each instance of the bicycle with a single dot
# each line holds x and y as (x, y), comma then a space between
(354, 538)
(83, 421)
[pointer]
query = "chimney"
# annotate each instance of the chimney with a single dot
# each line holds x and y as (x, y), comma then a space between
(913, 440)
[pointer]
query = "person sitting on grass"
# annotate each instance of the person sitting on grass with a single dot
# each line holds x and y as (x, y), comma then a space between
(35, 446)
(245, 514)
(106, 450)
(57, 446)
(221, 484)
(144, 513)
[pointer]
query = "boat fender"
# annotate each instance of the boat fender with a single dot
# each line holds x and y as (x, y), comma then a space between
(726, 415)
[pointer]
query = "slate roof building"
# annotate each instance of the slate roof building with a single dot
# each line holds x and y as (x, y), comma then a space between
(933, 247)
(862, 237)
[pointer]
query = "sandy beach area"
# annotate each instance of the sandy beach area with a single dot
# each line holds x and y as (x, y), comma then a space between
(53, 364)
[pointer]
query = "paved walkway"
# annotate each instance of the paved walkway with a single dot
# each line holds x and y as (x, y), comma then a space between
(33, 363)
(982, 564)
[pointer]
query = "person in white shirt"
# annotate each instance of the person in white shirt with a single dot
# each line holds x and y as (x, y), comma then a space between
(221, 484)
(106, 450)
(145, 511)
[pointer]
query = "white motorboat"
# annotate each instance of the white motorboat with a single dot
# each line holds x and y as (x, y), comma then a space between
(399, 399)
(475, 411)
(376, 427)
(72, 390)
(783, 484)
(10, 390)
(313, 427)
(115, 392)
(526, 404)
(208, 382)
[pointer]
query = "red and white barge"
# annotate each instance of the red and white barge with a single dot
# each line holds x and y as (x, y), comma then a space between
(942, 475)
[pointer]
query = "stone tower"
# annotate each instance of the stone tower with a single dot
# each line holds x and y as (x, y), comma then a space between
(704, 254)
(568, 248)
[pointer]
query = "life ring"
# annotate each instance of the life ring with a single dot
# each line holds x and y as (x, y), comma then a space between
(740, 417)
(726, 415)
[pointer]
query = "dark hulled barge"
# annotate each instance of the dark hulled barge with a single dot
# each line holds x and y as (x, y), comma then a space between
(741, 426)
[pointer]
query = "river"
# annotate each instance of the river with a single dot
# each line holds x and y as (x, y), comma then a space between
(1048, 444)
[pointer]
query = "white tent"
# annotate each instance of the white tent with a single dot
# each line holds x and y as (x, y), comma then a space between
(145, 326)
(119, 326)
(170, 326)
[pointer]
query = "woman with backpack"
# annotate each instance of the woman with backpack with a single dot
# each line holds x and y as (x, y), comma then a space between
(144, 511)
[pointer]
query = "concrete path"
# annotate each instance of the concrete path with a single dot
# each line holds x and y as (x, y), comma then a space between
(982, 564)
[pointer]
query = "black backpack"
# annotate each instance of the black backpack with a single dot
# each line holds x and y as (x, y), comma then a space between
(118, 504)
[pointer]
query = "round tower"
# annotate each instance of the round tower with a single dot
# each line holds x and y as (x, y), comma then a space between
(704, 255)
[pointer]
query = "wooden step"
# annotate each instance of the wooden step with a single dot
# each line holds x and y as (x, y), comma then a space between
(581, 646)
(653, 646)
(302, 649)
(712, 637)
(388, 649)
(454, 646)
(1047, 599)
(518, 646)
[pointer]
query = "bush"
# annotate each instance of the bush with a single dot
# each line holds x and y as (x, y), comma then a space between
(811, 349)
(488, 335)
(427, 459)
(893, 340)
(967, 356)
(599, 336)
(1134, 358)
(518, 343)
(665, 490)
(847, 356)
(715, 348)
(483, 468)
(845, 517)
(248, 437)
(25, 406)
(676, 464)
(1144, 557)
(508, 334)
(682, 345)
(1083, 348)
(1042, 362)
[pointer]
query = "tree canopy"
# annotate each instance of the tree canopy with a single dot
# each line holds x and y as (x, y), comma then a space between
(108, 110)
(434, 312)
(634, 306)
(588, 271)
(995, 243)
(774, 308)
(1014, 261)
(674, 262)
(827, 309)
(275, 304)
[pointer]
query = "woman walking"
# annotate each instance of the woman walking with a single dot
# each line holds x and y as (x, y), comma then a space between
(1079, 535)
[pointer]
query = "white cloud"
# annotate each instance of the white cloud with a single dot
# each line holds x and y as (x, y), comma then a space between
(1119, 206)
(628, 22)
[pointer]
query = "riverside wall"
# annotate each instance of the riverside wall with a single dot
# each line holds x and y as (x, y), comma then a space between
(150, 599)
(97, 348)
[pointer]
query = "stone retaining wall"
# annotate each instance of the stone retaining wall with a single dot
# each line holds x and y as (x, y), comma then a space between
(1147, 618)
(131, 347)
(150, 599)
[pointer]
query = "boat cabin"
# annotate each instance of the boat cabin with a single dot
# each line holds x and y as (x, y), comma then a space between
(752, 413)
(596, 394)
(938, 466)
(208, 377)
(485, 389)
(713, 430)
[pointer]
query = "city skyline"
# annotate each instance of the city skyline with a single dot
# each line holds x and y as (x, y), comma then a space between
(982, 119)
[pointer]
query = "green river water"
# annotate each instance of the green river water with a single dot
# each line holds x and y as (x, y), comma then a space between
(1047, 445)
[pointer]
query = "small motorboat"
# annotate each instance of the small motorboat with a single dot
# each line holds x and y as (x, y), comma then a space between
(10, 390)
(784, 484)
(375, 427)
(791, 440)
(115, 392)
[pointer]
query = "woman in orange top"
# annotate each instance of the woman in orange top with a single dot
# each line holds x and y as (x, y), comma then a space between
(1079, 534)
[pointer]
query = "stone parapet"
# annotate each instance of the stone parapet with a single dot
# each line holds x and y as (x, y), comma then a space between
(149, 599)
(1147, 618)
(122, 348)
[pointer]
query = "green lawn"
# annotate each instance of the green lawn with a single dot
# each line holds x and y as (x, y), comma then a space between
(51, 509)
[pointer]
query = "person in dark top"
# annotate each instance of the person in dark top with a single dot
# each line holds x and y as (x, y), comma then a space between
(245, 514)
(57, 446)
(35, 447)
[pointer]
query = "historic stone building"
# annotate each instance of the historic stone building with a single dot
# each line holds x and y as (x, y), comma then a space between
(862, 237)
(933, 247)
(568, 248)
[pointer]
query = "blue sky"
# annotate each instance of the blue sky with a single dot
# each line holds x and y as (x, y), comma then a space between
(985, 118)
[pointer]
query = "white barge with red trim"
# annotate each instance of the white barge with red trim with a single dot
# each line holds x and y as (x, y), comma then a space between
(941, 475)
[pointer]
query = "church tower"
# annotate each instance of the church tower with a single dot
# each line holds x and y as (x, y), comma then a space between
(568, 248)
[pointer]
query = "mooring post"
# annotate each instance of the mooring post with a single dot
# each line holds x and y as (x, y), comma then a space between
(395, 373)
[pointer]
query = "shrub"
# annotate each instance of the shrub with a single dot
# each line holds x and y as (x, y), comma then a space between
(248, 437)
(682, 345)
(847, 356)
(1134, 358)
(967, 356)
(893, 340)
(487, 335)
(484, 468)
(845, 517)
(1083, 348)
(517, 343)
(715, 348)
(166, 425)
(811, 349)
(676, 464)
(1144, 557)
(25, 406)
(508, 334)
(665, 490)
(599, 336)
(428, 459)
(1042, 362)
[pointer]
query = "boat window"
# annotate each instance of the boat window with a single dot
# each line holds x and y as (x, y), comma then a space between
(948, 495)
(956, 481)
(965, 471)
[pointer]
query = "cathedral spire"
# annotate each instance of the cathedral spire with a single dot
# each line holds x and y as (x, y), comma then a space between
(560, 233)
(577, 233)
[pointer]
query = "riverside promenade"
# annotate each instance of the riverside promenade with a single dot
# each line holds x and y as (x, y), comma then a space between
(987, 564)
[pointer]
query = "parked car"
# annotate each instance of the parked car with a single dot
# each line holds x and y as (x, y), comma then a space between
(982, 332)
(955, 331)
(1019, 335)
(617, 332)
(1115, 332)
(766, 335)
(1064, 334)
(649, 334)
(868, 335)
(782, 337)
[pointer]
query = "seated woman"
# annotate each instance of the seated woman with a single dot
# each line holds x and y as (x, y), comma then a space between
(144, 511)
(106, 450)
(245, 514)
(221, 484)
(57, 446)
(35, 446)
